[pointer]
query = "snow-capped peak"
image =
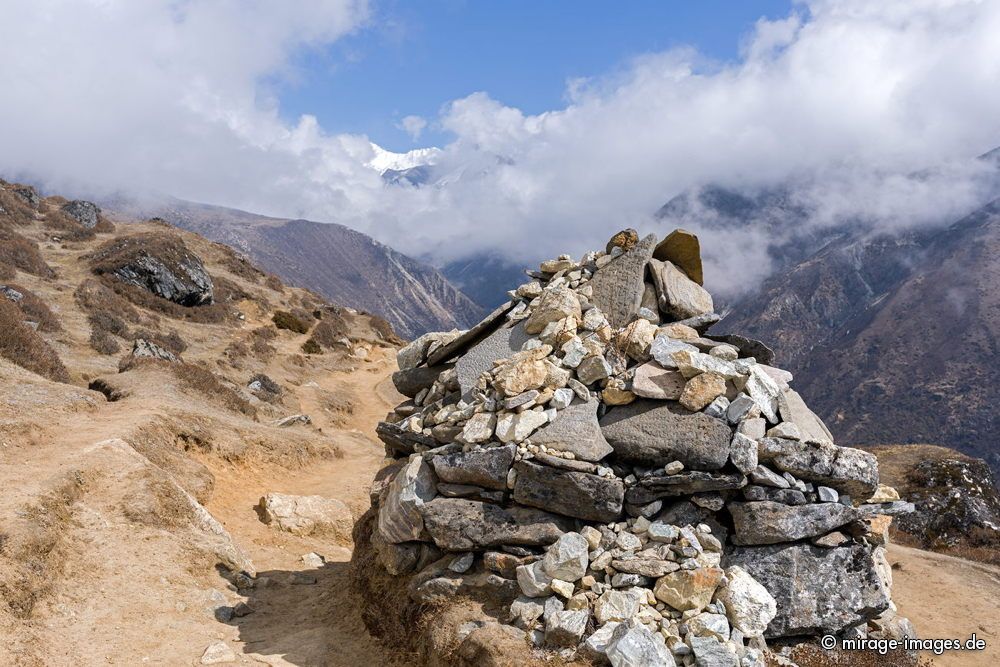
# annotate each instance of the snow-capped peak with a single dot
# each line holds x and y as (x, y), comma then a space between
(385, 160)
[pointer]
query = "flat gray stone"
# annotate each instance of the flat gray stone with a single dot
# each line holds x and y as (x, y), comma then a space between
(575, 494)
(748, 347)
(481, 467)
(576, 430)
(654, 433)
(818, 590)
(850, 471)
(466, 525)
(479, 358)
(410, 382)
(654, 381)
(793, 409)
(682, 484)
(768, 522)
(400, 440)
(618, 287)
(465, 340)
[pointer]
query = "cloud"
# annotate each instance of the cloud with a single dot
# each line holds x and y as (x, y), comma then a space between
(413, 126)
(849, 100)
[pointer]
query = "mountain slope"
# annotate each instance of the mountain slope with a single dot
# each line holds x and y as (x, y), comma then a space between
(335, 261)
(893, 338)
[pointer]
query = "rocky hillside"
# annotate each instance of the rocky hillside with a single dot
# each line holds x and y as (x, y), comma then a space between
(341, 264)
(155, 387)
(893, 339)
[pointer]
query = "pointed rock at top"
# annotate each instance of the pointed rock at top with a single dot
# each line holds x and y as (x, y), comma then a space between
(618, 287)
(625, 239)
(681, 247)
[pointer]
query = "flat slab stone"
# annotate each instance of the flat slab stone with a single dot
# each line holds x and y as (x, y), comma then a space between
(768, 522)
(483, 467)
(818, 590)
(654, 381)
(850, 471)
(466, 525)
(576, 430)
(479, 358)
(679, 295)
(466, 339)
(411, 381)
(793, 409)
(576, 494)
(618, 287)
(401, 441)
(682, 484)
(654, 433)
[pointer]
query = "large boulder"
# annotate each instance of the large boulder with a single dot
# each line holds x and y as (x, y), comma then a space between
(84, 212)
(399, 516)
(681, 248)
(158, 263)
(577, 494)
(654, 433)
(818, 590)
(462, 525)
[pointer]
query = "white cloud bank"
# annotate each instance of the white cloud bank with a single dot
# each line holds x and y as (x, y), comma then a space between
(845, 97)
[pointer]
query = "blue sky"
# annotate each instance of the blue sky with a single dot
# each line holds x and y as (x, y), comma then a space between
(416, 56)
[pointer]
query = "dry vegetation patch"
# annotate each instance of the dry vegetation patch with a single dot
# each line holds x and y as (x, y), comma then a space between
(23, 345)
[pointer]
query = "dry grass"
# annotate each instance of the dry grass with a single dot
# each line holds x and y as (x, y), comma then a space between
(95, 297)
(103, 342)
(311, 347)
(36, 310)
(170, 341)
(811, 655)
(384, 330)
(200, 380)
(23, 345)
(19, 252)
(330, 329)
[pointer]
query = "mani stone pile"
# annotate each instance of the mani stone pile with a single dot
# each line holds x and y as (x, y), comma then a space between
(643, 492)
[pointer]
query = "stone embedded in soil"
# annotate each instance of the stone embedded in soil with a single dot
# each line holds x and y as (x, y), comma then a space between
(618, 287)
(576, 430)
(818, 591)
(769, 522)
(654, 433)
(218, 653)
(574, 494)
(465, 525)
(485, 467)
(308, 515)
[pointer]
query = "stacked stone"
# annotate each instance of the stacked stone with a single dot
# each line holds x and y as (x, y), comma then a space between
(647, 493)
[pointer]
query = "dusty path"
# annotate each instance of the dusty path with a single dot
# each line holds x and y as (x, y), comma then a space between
(317, 624)
(949, 598)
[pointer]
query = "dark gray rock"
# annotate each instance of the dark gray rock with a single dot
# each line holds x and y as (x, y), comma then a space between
(466, 525)
(818, 590)
(483, 467)
(575, 494)
(748, 347)
(84, 212)
(701, 323)
(618, 287)
(412, 381)
(576, 430)
(467, 339)
(401, 441)
(686, 513)
(500, 344)
(682, 484)
(144, 349)
(850, 471)
(563, 464)
(768, 522)
(11, 294)
(182, 280)
(653, 433)
(786, 496)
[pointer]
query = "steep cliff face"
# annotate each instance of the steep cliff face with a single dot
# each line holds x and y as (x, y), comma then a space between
(893, 339)
(341, 264)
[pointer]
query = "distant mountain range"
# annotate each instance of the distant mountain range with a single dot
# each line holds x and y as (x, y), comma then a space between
(339, 263)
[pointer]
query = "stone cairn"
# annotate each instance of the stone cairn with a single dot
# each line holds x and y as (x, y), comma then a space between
(644, 492)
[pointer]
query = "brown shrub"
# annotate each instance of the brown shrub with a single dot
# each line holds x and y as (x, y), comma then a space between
(311, 347)
(240, 265)
(206, 383)
(170, 341)
(36, 310)
(23, 346)
(273, 283)
(6, 272)
(103, 342)
(22, 253)
(384, 330)
(103, 320)
(330, 329)
(96, 297)
(286, 320)
(66, 227)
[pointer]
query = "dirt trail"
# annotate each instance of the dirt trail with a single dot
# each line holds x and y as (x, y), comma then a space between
(316, 624)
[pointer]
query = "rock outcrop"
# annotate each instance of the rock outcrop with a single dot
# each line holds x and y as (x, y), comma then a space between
(635, 491)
